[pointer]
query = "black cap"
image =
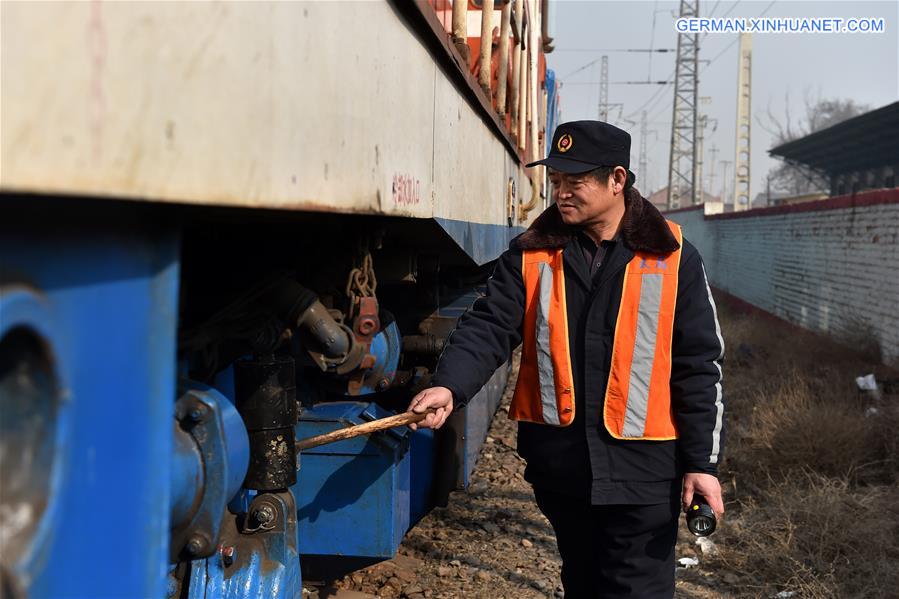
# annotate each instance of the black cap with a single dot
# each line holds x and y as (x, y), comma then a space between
(581, 146)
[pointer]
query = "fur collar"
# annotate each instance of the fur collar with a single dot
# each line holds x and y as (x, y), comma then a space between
(643, 229)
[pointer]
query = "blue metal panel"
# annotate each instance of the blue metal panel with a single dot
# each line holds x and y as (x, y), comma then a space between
(421, 454)
(482, 242)
(352, 496)
(109, 312)
(478, 416)
(553, 113)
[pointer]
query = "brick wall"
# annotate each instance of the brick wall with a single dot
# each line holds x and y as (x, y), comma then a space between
(831, 266)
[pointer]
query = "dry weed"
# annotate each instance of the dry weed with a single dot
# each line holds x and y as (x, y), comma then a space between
(806, 425)
(813, 501)
(815, 536)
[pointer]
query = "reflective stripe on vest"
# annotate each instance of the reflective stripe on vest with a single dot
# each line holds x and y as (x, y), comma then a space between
(545, 389)
(638, 395)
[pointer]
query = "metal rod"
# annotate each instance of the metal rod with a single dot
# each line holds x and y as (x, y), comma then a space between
(516, 69)
(523, 97)
(460, 27)
(486, 45)
(523, 27)
(533, 116)
(502, 78)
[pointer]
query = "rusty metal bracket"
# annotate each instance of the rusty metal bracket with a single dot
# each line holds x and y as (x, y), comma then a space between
(365, 326)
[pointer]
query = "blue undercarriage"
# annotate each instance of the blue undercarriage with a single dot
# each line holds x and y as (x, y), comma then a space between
(129, 476)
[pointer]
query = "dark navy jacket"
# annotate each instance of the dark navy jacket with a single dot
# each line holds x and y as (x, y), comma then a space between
(582, 459)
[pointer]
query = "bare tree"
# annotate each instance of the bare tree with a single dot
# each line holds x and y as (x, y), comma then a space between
(798, 179)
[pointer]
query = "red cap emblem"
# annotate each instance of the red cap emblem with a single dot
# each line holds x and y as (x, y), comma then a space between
(564, 143)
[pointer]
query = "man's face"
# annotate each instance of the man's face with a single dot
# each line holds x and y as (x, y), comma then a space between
(582, 199)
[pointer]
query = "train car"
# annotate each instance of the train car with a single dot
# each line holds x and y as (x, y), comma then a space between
(227, 226)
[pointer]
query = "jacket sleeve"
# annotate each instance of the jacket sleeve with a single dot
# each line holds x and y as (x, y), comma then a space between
(486, 334)
(697, 351)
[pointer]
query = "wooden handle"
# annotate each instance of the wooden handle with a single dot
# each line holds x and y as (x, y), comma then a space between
(374, 426)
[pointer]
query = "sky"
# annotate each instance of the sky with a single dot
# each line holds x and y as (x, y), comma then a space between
(788, 69)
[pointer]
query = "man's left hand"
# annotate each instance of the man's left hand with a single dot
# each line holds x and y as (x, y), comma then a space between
(705, 485)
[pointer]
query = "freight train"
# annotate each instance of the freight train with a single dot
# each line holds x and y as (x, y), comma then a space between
(227, 226)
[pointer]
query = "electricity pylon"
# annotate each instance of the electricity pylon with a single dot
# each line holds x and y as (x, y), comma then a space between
(682, 157)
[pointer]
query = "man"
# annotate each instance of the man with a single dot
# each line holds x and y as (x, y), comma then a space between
(619, 389)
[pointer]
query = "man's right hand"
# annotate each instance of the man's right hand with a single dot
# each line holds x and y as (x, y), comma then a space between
(706, 485)
(438, 398)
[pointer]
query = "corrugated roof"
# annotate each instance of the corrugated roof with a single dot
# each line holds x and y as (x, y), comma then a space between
(866, 141)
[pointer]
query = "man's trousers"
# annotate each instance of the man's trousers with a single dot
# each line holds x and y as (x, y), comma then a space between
(613, 551)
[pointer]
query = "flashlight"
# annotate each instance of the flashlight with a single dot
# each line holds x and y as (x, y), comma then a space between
(700, 517)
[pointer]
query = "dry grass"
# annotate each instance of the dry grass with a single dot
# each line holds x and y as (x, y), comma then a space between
(816, 536)
(811, 479)
(802, 424)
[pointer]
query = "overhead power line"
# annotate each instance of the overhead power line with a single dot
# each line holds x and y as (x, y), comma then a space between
(660, 50)
(586, 66)
(652, 38)
(567, 83)
(731, 9)
(736, 39)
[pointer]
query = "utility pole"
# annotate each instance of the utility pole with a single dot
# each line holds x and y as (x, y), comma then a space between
(642, 164)
(603, 108)
(697, 177)
(703, 121)
(682, 156)
(744, 119)
(714, 152)
(726, 163)
(643, 173)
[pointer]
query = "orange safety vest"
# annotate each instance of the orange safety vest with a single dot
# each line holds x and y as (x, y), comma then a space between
(638, 394)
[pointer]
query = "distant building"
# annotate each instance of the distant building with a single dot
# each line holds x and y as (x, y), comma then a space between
(855, 155)
(659, 199)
